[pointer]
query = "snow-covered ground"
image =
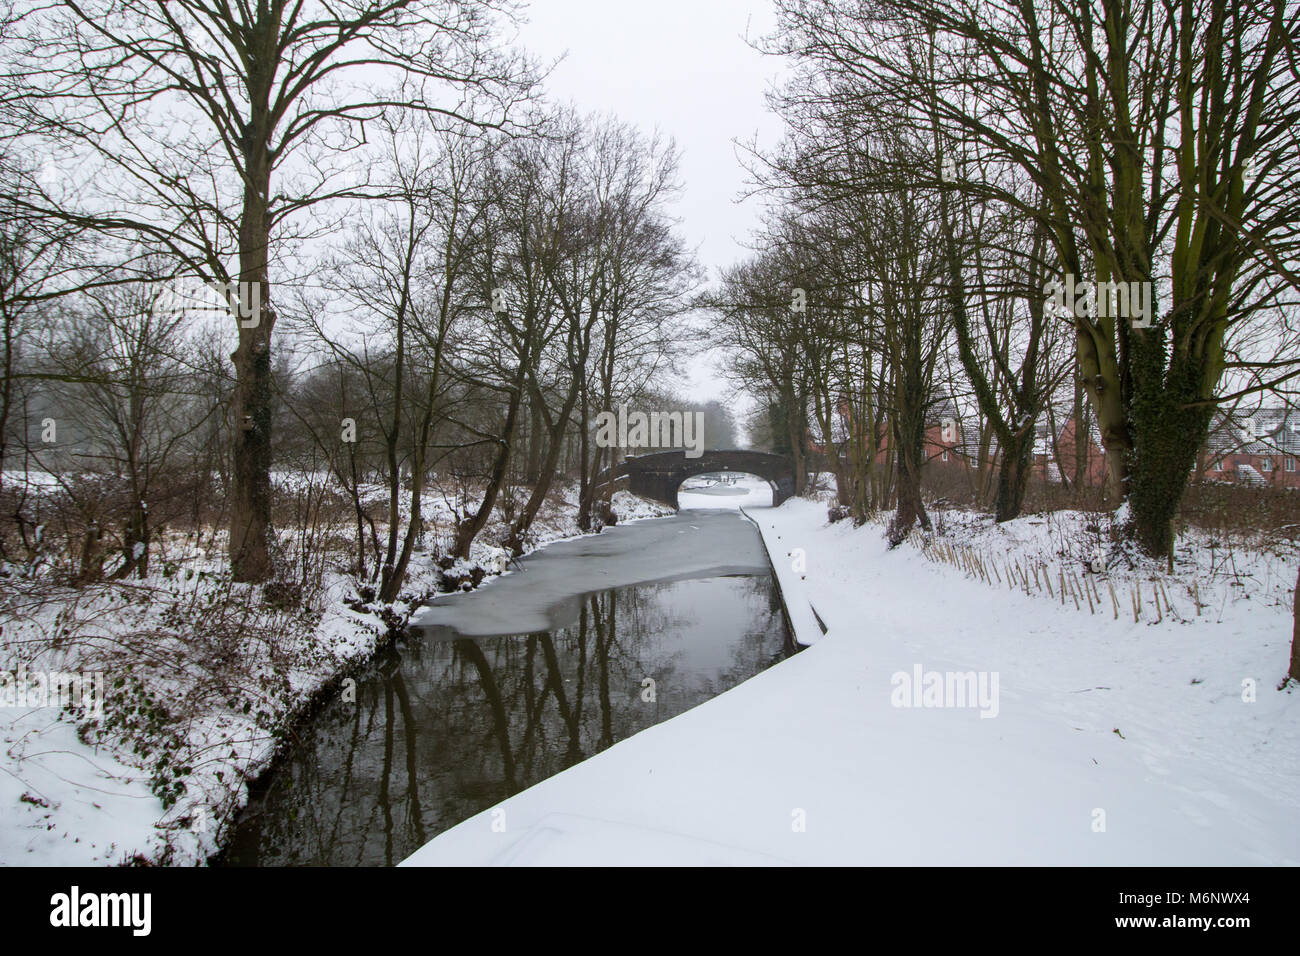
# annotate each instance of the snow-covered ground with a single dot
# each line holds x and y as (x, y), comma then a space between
(201, 680)
(1087, 737)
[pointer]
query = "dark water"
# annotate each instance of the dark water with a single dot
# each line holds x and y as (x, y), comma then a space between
(444, 728)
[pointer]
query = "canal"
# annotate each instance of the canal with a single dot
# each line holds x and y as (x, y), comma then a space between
(588, 642)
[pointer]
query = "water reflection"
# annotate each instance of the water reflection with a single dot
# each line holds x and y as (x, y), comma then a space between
(443, 729)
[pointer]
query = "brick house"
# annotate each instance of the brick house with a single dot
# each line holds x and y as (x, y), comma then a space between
(1056, 454)
(943, 436)
(1259, 448)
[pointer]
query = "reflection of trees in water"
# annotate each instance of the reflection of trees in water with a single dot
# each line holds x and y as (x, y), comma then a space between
(444, 729)
(753, 647)
(756, 650)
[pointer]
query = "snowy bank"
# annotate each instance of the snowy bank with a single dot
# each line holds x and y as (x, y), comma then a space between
(1083, 739)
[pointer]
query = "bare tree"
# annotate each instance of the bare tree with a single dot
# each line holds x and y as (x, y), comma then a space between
(404, 275)
(1157, 137)
(35, 255)
(122, 365)
(212, 126)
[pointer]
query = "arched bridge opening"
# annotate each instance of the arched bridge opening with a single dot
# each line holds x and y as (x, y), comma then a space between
(659, 475)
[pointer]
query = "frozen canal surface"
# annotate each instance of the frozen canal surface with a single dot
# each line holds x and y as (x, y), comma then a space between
(591, 641)
(544, 592)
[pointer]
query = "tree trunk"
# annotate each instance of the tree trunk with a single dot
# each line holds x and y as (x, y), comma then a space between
(90, 569)
(391, 439)
(6, 393)
(795, 418)
(1294, 672)
(1099, 373)
(1165, 460)
(910, 508)
(909, 440)
(984, 466)
(250, 492)
(823, 408)
(354, 489)
(533, 466)
(555, 432)
(1168, 430)
(1082, 440)
(136, 534)
(1013, 475)
(588, 468)
(468, 529)
(393, 584)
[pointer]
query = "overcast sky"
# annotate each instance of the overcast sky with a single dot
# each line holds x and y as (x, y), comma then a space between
(684, 67)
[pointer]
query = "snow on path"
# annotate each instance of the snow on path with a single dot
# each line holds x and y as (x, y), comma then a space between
(809, 762)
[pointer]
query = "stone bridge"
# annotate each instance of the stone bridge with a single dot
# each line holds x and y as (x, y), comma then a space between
(658, 475)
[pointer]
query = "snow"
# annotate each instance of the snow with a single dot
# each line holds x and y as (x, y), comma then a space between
(75, 799)
(1171, 725)
(1115, 742)
(65, 804)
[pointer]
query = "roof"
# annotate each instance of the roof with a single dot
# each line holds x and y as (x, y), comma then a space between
(1259, 431)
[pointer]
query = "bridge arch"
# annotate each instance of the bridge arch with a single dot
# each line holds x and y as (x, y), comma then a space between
(658, 475)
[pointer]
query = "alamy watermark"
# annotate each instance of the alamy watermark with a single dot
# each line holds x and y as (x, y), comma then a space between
(1125, 300)
(654, 430)
(922, 688)
(24, 688)
(130, 910)
(243, 300)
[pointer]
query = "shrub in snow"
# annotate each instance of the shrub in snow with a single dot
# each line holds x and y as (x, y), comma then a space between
(495, 560)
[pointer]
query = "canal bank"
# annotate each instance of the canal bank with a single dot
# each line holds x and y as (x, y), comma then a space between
(789, 567)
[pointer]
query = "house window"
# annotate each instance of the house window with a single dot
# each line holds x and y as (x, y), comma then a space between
(1218, 465)
(944, 456)
(1266, 464)
(1290, 464)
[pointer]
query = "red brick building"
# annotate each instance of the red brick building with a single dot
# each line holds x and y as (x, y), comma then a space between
(1259, 447)
(1056, 455)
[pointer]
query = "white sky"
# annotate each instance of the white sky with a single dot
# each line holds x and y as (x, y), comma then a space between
(681, 66)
